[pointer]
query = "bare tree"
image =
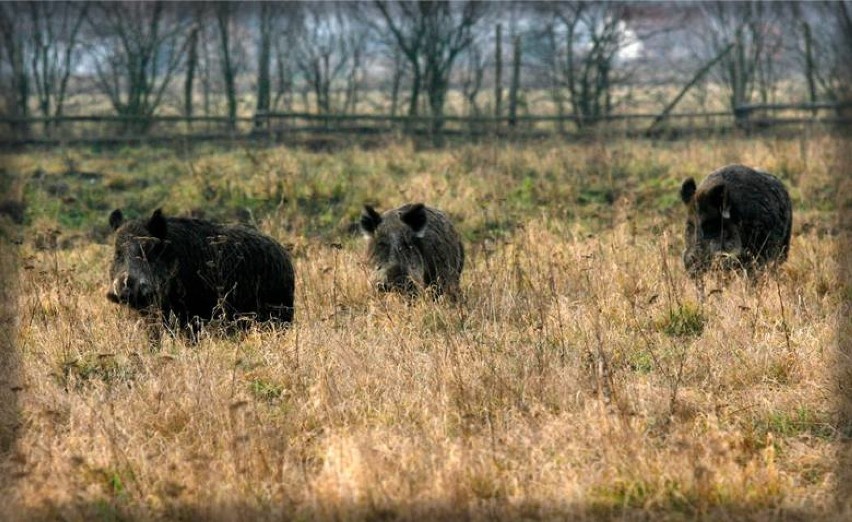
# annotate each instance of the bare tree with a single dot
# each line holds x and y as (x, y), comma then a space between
(136, 50)
(13, 68)
(404, 30)
(751, 27)
(472, 78)
(449, 31)
(431, 35)
(54, 29)
(285, 37)
(498, 71)
(555, 71)
(590, 72)
(264, 57)
(515, 85)
(197, 14)
(579, 46)
(330, 52)
(819, 47)
(398, 66)
(207, 63)
(224, 17)
(844, 39)
(356, 41)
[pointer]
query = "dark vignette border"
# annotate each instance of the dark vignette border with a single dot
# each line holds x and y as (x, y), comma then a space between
(10, 361)
(843, 367)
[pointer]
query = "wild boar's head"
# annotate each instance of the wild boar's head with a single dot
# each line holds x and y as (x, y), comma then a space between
(140, 268)
(394, 247)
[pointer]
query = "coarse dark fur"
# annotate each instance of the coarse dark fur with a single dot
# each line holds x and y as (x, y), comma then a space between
(195, 271)
(737, 218)
(413, 248)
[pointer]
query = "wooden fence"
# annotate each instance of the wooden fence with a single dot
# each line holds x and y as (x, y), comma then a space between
(284, 127)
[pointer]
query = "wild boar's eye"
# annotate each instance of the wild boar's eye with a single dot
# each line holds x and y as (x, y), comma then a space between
(148, 246)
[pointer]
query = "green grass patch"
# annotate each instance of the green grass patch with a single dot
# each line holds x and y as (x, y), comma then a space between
(684, 321)
(665, 493)
(799, 421)
(597, 195)
(265, 390)
(108, 368)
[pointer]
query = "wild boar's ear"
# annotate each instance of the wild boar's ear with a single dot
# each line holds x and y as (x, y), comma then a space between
(116, 218)
(718, 198)
(687, 190)
(370, 220)
(415, 217)
(157, 224)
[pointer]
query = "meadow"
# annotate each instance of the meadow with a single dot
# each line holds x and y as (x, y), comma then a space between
(579, 376)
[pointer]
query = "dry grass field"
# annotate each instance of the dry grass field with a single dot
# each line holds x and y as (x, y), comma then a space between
(579, 377)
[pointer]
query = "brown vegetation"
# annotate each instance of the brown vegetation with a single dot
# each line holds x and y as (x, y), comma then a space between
(578, 376)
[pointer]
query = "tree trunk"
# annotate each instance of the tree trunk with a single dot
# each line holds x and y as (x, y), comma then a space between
(263, 62)
(738, 73)
(416, 80)
(396, 81)
(69, 52)
(516, 82)
(498, 72)
(437, 95)
(473, 83)
(22, 87)
(191, 66)
(352, 83)
(13, 41)
(325, 84)
(205, 78)
(555, 75)
(315, 80)
(809, 64)
(305, 94)
(284, 81)
(223, 18)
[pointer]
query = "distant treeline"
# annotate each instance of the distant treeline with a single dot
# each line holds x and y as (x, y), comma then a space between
(579, 62)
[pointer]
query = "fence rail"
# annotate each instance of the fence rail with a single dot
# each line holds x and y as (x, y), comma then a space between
(277, 126)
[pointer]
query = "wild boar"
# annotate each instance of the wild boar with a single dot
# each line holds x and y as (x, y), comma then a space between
(737, 218)
(413, 248)
(196, 271)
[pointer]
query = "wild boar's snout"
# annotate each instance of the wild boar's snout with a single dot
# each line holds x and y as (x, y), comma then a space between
(127, 289)
(395, 278)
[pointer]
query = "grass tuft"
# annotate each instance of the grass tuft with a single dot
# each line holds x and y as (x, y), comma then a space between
(683, 321)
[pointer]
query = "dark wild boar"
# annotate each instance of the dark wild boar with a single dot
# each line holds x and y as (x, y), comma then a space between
(413, 248)
(737, 218)
(196, 271)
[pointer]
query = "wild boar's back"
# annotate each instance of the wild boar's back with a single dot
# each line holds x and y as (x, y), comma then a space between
(231, 266)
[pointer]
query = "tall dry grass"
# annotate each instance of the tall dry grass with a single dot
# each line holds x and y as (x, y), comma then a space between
(580, 376)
